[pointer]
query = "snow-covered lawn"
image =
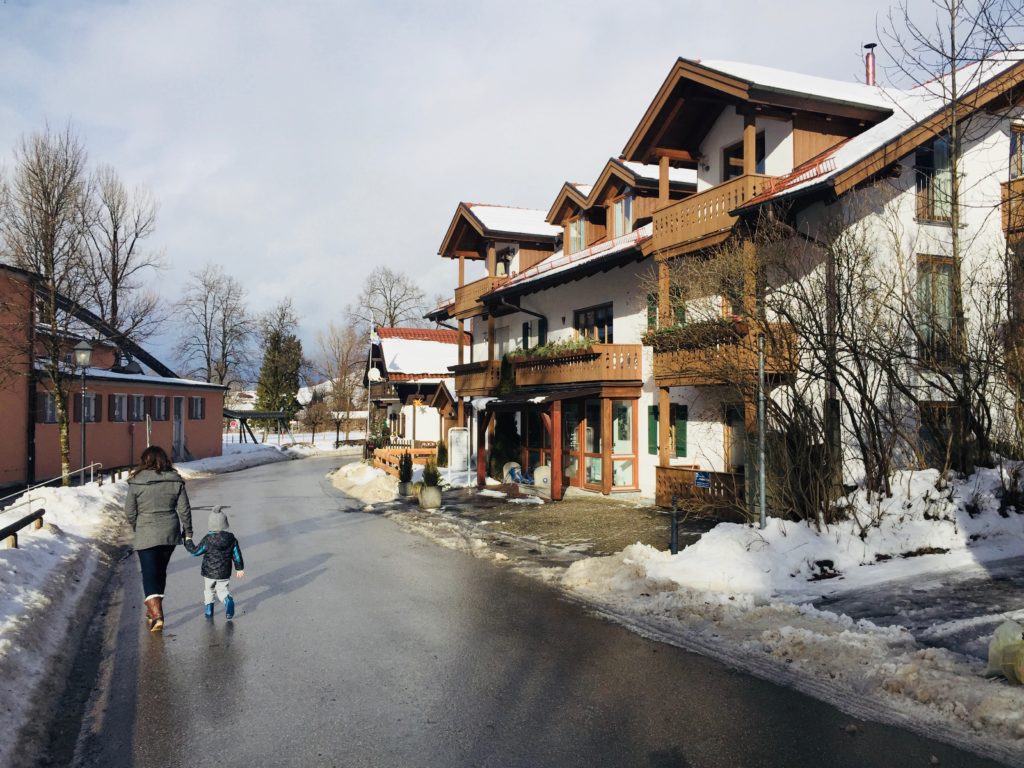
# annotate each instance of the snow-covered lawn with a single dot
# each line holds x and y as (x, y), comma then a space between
(373, 486)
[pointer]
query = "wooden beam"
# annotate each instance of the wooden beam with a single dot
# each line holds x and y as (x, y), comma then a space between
(462, 270)
(468, 255)
(606, 445)
(679, 155)
(663, 184)
(664, 295)
(482, 418)
(749, 143)
(462, 338)
(556, 450)
(490, 338)
(664, 412)
(492, 258)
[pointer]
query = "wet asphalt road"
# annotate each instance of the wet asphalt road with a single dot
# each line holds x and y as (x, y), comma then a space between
(357, 644)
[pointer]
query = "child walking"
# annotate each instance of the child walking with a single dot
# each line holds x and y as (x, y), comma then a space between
(220, 550)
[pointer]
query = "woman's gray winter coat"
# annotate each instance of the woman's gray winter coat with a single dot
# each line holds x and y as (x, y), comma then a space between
(157, 508)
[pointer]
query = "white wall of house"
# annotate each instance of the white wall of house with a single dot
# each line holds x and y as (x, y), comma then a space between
(727, 130)
(428, 425)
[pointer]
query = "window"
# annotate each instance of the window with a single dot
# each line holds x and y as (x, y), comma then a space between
(542, 331)
(46, 408)
(623, 444)
(197, 408)
(91, 409)
(577, 235)
(1016, 151)
(622, 216)
(678, 416)
(593, 461)
(527, 334)
(936, 307)
(732, 158)
(595, 323)
(136, 408)
(158, 408)
(117, 407)
(934, 181)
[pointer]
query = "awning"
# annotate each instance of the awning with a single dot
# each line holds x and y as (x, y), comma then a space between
(518, 402)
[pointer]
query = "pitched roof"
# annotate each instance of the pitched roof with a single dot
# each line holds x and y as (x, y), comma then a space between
(442, 335)
(518, 221)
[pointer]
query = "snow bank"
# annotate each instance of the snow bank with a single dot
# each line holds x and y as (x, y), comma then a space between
(47, 588)
(235, 456)
(365, 483)
(738, 593)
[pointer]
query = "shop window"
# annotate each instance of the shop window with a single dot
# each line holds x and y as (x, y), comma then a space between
(592, 442)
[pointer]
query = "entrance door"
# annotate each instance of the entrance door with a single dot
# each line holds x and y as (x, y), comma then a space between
(735, 439)
(571, 417)
(178, 435)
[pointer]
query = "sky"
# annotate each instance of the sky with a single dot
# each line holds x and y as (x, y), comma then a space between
(301, 144)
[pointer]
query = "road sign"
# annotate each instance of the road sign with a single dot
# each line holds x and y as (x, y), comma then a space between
(702, 480)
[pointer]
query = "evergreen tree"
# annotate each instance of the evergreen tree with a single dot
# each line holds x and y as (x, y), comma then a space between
(278, 381)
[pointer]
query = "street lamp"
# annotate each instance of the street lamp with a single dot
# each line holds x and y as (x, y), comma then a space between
(372, 375)
(83, 358)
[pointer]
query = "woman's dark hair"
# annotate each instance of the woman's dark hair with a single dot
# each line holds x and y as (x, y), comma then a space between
(154, 458)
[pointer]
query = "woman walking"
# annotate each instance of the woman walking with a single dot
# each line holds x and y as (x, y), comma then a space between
(158, 511)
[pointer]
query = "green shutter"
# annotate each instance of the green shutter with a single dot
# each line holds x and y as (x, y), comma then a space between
(652, 310)
(680, 313)
(680, 413)
(652, 429)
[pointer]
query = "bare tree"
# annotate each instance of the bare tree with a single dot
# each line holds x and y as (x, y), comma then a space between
(388, 299)
(216, 328)
(121, 221)
(341, 359)
(44, 232)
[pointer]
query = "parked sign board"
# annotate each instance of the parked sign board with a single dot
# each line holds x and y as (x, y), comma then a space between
(458, 449)
(702, 479)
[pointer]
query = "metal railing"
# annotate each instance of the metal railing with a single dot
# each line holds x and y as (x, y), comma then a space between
(81, 470)
(9, 533)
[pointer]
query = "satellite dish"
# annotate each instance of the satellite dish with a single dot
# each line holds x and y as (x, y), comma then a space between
(373, 374)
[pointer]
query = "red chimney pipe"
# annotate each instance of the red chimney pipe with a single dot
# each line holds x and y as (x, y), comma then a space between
(869, 63)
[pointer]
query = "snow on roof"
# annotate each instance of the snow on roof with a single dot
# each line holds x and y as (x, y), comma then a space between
(518, 221)
(560, 262)
(443, 335)
(583, 189)
(914, 106)
(419, 358)
(645, 171)
(805, 85)
(142, 378)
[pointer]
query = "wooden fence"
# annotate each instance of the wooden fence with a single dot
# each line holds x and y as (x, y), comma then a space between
(9, 534)
(388, 458)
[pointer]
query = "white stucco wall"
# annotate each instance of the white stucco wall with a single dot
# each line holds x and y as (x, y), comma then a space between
(727, 130)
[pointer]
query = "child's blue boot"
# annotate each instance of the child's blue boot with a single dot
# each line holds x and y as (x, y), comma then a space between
(229, 607)
(208, 611)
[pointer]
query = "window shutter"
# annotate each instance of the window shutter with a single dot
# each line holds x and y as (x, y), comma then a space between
(149, 408)
(191, 408)
(97, 405)
(526, 335)
(111, 407)
(542, 331)
(78, 407)
(680, 414)
(202, 407)
(652, 429)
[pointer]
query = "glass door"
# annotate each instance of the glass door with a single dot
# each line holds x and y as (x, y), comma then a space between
(571, 422)
(592, 443)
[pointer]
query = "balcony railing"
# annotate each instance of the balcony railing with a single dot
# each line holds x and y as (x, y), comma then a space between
(479, 379)
(1013, 209)
(689, 221)
(467, 298)
(723, 496)
(601, 362)
(728, 361)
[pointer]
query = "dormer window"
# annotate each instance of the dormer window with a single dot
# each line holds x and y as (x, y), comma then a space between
(577, 235)
(622, 216)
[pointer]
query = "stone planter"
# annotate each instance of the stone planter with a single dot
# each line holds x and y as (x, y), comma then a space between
(405, 489)
(430, 497)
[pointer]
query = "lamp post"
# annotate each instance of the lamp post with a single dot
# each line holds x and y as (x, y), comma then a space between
(370, 378)
(83, 358)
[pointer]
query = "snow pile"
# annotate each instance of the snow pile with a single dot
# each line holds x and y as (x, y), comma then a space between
(235, 456)
(45, 587)
(322, 448)
(736, 595)
(365, 483)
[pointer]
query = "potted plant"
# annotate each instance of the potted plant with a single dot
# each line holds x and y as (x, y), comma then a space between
(405, 474)
(430, 493)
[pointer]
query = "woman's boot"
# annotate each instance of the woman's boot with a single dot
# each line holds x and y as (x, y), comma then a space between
(155, 613)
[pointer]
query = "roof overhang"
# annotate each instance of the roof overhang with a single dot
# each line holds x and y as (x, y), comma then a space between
(692, 95)
(569, 201)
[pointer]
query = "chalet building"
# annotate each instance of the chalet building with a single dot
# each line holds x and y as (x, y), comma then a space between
(567, 325)
(123, 410)
(410, 385)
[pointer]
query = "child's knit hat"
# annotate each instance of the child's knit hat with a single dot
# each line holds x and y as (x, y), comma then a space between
(218, 520)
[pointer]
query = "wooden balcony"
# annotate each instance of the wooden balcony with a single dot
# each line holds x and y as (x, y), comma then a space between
(600, 363)
(467, 298)
(703, 219)
(479, 379)
(728, 361)
(1013, 209)
(725, 497)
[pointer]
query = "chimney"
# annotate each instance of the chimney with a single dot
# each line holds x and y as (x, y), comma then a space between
(869, 63)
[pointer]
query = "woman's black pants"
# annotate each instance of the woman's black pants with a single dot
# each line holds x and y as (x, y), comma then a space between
(153, 561)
